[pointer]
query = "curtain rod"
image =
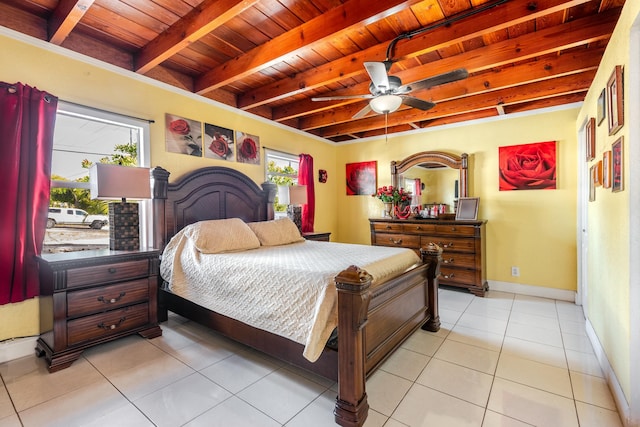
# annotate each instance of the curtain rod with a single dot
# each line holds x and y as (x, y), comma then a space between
(108, 112)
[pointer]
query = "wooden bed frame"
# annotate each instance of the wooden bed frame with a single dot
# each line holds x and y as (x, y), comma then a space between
(371, 325)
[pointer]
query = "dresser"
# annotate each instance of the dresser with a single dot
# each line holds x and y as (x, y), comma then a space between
(462, 242)
(91, 297)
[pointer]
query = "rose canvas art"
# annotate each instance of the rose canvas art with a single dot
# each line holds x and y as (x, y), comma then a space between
(183, 135)
(361, 178)
(248, 147)
(218, 142)
(528, 166)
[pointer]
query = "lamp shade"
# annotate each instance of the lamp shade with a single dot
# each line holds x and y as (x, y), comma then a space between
(283, 194)
(385, 103)
(298, 194)
(114, 182)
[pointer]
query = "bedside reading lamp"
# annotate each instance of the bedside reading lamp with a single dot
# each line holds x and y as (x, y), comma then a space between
(294, 196)
(114, 182)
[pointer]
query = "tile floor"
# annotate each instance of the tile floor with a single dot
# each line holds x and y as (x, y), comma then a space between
(503, 360)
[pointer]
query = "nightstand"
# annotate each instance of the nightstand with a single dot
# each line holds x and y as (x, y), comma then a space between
(91, 297)
(321, 237)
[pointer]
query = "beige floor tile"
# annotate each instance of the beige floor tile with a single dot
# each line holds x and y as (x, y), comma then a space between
(385, 391)
(476, 337)
(204, 353)
(592, 390)
(493, 419)
(123, 354)
(577, 343)
(449, 316)
(454, 300)
(126, 416)
(13, 369)
(489, 310)
(586, 363)
(40, 386)
(318, 413)
(6, 407)
(571, 327)
(10, 421)
(392, 423)
(423, 342)
(483, 323)
(239, 371)
(441, 410)
(548, 354)
(182, 401)
(535, 374)
(535, 305)
(530, 405)
(595, 416)
(406, 364)
(233, 412)
(535, 334)
(77, 407)
(470, 356)
(458, 381)
(544, 322)
(281, 394)
(376, 419)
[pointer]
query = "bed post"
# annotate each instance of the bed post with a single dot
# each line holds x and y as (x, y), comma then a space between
(159, 184)
(353, 303)
(432, 256)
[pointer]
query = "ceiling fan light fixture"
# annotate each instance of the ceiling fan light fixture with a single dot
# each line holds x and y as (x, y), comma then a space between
(385, 104)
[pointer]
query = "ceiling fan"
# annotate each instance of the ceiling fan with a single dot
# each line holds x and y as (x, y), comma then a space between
(388, 92)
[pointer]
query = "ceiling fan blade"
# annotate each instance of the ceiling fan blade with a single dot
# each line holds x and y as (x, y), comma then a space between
(360, 114)
(378, 73)
(420, 104)
(440, 79)
(338, 98)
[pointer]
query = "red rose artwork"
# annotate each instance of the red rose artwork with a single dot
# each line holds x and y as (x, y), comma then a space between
(361, 178)
(248, 148)
(183, 136)
(528, 166)
(218, 142)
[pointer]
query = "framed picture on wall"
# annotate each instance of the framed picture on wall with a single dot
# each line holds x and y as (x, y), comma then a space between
(590, 136)
(361, 178)
(602, 105)
(592, 183)
(617, 172)
(615, 111)
(606, 169)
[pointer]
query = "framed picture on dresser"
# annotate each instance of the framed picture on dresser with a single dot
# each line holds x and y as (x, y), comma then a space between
(468, 208)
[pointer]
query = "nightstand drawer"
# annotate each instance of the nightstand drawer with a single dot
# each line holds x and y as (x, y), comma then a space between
(105, 324)
(94, 300)
(107, 273)
(401, 240)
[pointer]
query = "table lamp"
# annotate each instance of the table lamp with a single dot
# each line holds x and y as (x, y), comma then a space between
(294, 196)
(115, 182)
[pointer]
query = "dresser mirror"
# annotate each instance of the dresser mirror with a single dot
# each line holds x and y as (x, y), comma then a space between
(442, 178)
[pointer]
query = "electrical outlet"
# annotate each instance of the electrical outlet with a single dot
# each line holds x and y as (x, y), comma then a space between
(515, 271)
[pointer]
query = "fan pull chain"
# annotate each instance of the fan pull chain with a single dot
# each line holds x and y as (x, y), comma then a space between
(386, 134)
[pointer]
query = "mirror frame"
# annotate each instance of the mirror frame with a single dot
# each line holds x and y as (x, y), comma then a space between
(434, 157)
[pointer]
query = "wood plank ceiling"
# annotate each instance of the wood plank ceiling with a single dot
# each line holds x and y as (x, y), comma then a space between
(270, 57)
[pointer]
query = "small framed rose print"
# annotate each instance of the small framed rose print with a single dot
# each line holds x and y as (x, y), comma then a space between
(590, 135)
(615, 109)
(606, 169)
(617, 164)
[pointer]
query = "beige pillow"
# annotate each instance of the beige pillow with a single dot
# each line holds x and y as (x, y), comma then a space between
(222, 235)
(277, 232)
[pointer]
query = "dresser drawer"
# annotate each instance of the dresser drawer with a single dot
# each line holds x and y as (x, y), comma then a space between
(453, 259)
(105, 324)
(457, 230)
(387, 227)
(401, 240)
(87, 301)
(448, 274)
(418, 228)
(107, 273)
(450, 243)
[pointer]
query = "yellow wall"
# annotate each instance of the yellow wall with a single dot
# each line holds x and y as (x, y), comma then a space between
(534, 229)
(121, 92)
(608, 227)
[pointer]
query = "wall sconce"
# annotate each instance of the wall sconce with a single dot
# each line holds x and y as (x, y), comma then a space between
(114, 182)
(294, 196)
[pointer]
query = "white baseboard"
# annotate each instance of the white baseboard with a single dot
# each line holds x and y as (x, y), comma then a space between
(17, 348)
(609, 375)
(536, 291)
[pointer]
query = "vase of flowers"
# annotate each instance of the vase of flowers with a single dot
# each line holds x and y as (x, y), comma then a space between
(392, 196)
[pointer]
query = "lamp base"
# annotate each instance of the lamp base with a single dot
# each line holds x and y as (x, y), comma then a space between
(295, 214)
(124, 227)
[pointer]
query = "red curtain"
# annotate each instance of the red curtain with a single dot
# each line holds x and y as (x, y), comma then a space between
(27, 118)
(305, 177)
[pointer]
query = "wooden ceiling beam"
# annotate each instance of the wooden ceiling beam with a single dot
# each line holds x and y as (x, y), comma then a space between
(331, 24)
(500, 78)
(500, 17)
(65, 18)
(201, 21)
(529, 46)
(514, 95)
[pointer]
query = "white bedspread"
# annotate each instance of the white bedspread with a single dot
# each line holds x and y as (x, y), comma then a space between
(288, 290)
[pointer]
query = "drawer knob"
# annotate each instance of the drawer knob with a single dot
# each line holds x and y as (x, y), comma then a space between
(112, 270)
(447, 261)
(446, 245)
(388, 227)
(453, 229)
(418, 228)
(448, 276)
(112, 300)
(396, 242)
(109, 327)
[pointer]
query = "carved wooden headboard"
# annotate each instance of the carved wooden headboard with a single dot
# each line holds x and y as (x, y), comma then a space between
(209, 193)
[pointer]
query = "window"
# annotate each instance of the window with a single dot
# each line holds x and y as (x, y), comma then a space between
(84, 136)
(281, 169)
